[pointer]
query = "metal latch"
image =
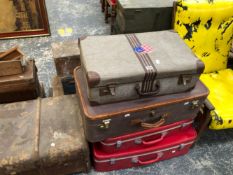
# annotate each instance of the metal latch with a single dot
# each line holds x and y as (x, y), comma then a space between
(112, 161)
(105, 124)
(195, 104)
(108, 90)
(182, 146)
(185, 79)
(118, 144)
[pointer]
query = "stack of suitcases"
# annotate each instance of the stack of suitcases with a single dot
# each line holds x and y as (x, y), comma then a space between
(139, 95)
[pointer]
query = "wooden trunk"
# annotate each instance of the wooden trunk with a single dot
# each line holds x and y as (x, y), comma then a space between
(20, 87)
(42, 137)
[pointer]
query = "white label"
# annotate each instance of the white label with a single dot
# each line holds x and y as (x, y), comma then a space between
(157, 61)
(173, 151)
(127, 115)
(186, 103)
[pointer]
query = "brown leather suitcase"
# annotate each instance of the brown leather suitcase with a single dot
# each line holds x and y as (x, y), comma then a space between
(111, 120)
(20, 87)
(42, 137)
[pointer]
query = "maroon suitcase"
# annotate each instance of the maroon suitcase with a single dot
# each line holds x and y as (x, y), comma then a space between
(170, 147)
(143, 139)
(111, 120)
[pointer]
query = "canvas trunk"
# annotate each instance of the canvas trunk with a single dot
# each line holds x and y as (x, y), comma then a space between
(170, 147)
(20, 87)
(42, 137)
(144, 16)
(115, 119)
(126, 67)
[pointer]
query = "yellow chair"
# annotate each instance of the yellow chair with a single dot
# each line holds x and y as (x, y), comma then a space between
(206, 26)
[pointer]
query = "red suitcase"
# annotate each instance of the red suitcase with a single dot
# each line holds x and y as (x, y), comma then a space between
(143, 139)
(170, 147)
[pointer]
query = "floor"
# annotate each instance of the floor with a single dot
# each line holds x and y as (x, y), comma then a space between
(70, 19)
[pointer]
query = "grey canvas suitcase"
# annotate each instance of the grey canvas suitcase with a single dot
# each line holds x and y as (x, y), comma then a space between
(124, 67)
(135, 16)
(42, 137)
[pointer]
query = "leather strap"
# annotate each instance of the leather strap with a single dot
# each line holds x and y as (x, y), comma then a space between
(146, 62)
(153, 125)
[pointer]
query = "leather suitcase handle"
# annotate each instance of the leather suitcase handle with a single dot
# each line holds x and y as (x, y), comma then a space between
(153, 125)
(156, 91)
(163, 135)
(159, 155)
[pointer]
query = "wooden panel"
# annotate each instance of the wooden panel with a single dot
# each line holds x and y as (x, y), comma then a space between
(11, 54)
(10, 68)
(57, 87)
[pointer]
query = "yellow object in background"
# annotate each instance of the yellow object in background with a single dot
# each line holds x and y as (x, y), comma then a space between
(220, 85)
(207, 28)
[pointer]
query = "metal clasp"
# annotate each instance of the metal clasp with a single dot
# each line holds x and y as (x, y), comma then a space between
(185, 79)
(195, 104)
(105, 124)
(118, 144)
(108, 90)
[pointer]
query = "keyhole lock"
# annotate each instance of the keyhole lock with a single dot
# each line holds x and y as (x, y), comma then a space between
(105, 124)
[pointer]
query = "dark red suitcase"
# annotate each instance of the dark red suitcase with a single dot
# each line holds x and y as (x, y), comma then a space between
(170, 147)
(143, 139)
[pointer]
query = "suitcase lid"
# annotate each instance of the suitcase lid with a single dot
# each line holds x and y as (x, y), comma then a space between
(132, 4)
(106, 110)
(123, 59)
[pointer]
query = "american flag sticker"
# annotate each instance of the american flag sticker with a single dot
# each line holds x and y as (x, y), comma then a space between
(144, 48)
(147, 48)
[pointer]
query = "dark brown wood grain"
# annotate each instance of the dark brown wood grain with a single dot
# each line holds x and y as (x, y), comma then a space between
(10, 68)
(11, 54)
(20, 87)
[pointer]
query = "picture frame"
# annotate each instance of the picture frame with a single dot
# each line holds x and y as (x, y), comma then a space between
(29, 19)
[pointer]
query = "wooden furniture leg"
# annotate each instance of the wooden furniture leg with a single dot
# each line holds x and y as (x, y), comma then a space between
(106, 11)
(103, 5)
(113, 16)
(205, 118)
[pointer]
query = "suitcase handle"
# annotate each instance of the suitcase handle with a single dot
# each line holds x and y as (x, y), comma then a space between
(153, 125)
(163, 135)
(159, 155)
(140, 93)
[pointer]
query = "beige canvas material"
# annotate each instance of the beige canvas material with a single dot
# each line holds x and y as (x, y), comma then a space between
(113, 58)
(115, 62)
